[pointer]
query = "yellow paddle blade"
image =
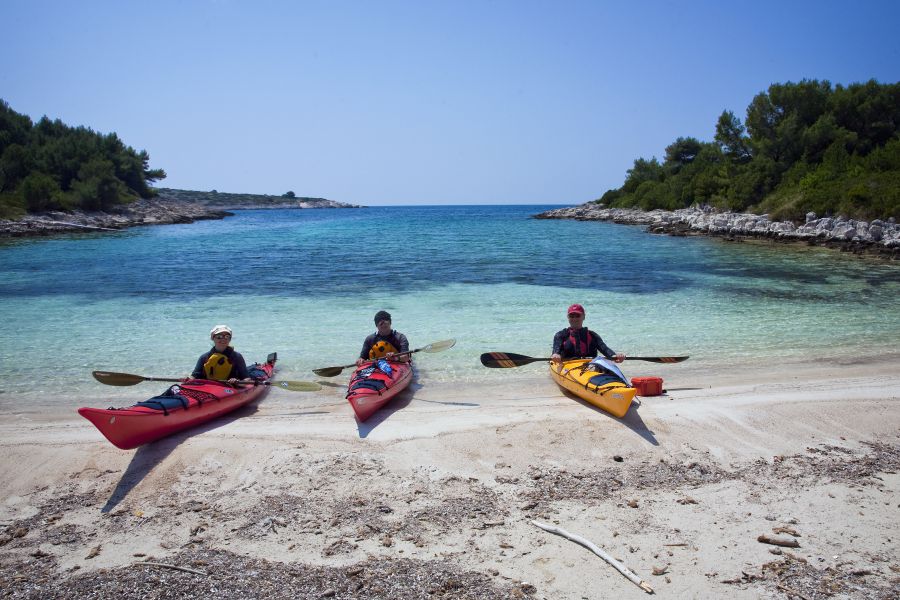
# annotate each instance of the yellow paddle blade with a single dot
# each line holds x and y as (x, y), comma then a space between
(297, 386)
(439, 346)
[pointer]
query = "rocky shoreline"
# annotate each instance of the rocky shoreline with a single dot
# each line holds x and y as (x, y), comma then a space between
(876, 237)
(168, 207)
(141, 212)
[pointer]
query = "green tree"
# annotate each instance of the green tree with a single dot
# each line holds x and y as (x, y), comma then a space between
(731, 138)
(803, 146)
(14, 128)
(681, 152)
(40, 192)
(89, 169)
(98, 188)
(14, 166)
(643, 170)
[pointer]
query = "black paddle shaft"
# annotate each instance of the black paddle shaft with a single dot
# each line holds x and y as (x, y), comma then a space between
(506, 360)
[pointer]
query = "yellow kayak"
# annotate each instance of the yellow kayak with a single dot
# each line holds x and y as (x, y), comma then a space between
(600, 389)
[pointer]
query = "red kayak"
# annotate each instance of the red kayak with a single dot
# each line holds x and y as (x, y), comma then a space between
(371, 386)
(182, 406)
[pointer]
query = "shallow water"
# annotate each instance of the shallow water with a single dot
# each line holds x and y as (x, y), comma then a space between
(305, 283)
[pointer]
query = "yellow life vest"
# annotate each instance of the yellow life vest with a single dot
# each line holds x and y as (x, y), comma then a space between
(217, 367)
(381, 348)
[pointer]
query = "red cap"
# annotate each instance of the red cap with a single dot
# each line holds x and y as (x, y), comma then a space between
(575, 308)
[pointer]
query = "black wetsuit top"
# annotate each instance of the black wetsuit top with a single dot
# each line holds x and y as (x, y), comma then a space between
(564, 346)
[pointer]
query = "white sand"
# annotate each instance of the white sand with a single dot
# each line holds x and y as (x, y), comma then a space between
(456, 475)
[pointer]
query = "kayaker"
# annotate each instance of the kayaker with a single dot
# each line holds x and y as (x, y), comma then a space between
(385, 342)
(576, 341)
(222, 362)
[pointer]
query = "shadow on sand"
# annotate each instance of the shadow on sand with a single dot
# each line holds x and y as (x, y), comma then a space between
(149, 455)
(447, 403)
(632, 419)
(399, 401)
(331, 384)
(300, 414)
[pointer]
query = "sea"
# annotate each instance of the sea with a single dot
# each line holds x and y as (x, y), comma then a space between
(306, 284)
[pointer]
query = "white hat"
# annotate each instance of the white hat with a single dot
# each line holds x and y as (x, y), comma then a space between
(220, 329)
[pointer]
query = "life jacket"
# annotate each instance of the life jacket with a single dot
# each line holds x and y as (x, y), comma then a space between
(577, 347)
(381, 348)
(217, 367)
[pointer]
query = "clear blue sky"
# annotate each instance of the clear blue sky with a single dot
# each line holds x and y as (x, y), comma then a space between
(422, 102)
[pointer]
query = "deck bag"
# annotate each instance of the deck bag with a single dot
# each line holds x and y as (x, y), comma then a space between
(603, 379)
(608, 372)
(166, 401)
(257, 372)
(371, 384)
(647, 386)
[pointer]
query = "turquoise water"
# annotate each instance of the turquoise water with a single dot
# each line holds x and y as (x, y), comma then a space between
(305, 283)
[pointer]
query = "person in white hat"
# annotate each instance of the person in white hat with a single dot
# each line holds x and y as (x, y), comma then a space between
(222, 362)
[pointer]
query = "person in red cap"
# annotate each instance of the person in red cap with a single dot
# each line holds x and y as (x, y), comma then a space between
(577, 341)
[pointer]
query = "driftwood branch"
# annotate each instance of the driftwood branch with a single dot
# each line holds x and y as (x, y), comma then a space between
(599, 552)
(787, 543)
(790, 591)
(176, 567)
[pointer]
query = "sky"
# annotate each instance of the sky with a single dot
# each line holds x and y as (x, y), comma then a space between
(422, 102)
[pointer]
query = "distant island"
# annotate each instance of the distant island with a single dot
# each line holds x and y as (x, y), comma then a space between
(230, 201)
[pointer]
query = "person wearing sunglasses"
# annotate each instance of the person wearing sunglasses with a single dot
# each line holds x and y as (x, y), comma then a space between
(576, 341)
(222, 362)
(385, 342)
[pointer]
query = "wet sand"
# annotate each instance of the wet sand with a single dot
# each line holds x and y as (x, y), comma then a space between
(434, 497)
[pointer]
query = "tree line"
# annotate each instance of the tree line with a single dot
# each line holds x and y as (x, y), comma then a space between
(806, 146)
(50, 165)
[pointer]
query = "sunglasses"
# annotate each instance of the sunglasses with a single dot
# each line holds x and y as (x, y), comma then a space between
(222, 336)
(576, 316)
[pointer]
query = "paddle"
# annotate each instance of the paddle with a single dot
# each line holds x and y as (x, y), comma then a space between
(110, 378)
(506, 360)
(432, 347)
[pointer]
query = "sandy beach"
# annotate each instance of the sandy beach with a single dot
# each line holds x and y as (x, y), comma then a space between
(435, 496)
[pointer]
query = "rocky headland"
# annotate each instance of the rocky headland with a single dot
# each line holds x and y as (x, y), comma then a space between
(167, 208)
(231, 201)
(153, 211)
(868, 237)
